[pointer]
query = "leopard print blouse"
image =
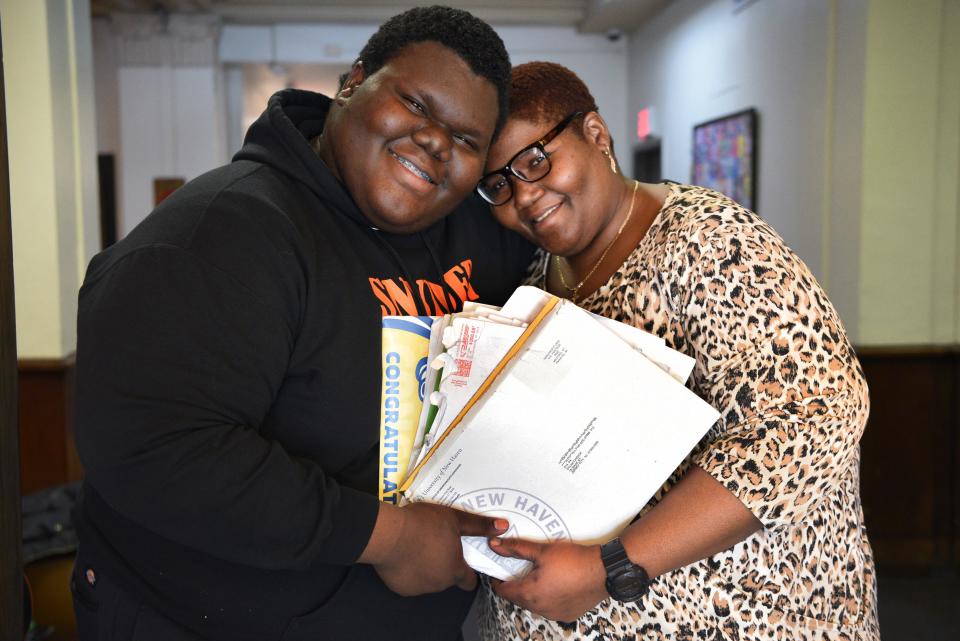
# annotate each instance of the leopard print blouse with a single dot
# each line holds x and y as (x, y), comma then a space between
(719, 284)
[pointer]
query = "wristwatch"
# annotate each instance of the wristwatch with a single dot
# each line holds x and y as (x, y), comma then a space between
(626, 581)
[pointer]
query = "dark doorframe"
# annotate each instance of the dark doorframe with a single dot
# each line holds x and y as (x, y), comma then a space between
(11, 561)
(646, 161)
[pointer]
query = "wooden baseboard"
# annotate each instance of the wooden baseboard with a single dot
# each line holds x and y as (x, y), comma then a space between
(45, 416)
(910, 479)
(912, 554)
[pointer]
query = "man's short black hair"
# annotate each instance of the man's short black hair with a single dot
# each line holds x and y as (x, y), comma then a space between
(469, 37)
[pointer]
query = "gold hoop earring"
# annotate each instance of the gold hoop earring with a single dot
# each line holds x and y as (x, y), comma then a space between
(613, 163)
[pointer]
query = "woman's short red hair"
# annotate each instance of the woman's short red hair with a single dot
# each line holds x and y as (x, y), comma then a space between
(545, 92)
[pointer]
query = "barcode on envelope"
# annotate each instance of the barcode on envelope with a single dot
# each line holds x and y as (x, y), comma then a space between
(463, 366)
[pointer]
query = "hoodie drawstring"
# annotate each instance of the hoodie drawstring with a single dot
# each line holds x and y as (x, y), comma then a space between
(449, 295)
(452, 299)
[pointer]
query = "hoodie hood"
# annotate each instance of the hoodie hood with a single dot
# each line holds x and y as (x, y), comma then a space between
(280, 137)
(277, 138)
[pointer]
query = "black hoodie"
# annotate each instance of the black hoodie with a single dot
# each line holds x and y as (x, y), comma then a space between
(228, 389)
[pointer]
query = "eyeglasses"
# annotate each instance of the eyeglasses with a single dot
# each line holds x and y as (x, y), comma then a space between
(530, 164)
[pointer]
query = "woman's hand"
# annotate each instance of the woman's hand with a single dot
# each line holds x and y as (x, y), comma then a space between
(567, 579)
(416, 549)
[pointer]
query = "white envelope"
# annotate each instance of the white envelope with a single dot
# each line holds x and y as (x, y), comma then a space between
(569, 442)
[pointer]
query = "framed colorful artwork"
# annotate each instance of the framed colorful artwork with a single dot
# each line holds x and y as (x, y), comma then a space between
(725, 156)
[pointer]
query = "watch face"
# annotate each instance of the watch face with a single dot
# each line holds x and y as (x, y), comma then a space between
(626, 581)
(628, 586)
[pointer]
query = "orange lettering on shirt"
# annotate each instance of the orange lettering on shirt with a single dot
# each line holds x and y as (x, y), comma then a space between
(398, 299)
(435, 297)
(403, 298)
(387, 306)
(458, 278)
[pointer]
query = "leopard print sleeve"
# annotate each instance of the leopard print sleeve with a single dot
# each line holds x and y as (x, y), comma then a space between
(773, 358)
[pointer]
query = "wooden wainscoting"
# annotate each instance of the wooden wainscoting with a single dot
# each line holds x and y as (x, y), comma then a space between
(910, 450)
(911, 457)
(45, 408)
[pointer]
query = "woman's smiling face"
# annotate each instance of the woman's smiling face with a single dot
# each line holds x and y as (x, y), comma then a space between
(566, 209)
(409, 141)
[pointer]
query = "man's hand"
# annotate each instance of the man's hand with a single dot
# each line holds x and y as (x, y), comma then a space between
(416, 549)
(567, 579)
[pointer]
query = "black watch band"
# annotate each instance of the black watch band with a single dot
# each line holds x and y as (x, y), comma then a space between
(626, 581)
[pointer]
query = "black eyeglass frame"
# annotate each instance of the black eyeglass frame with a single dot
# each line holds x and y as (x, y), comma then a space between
(507, 170)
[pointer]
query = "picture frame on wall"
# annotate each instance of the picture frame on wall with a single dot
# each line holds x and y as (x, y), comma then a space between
(725, 156)
(164, 186)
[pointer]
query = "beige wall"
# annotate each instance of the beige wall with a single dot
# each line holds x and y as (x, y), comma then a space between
(52, 150)
(911, 170)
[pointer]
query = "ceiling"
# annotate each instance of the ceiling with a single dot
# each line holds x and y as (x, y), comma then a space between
(588, 15)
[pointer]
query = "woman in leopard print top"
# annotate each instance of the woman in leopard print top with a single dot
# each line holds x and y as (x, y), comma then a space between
(759, 533)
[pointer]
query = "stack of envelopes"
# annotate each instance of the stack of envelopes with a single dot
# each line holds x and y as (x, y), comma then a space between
(562, 422)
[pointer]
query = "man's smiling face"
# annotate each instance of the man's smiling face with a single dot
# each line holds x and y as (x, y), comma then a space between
(409, 141)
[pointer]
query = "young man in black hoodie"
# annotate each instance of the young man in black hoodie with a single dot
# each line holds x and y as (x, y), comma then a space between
(228, 379)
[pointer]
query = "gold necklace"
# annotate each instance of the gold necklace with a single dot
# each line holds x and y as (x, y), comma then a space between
(575, 290)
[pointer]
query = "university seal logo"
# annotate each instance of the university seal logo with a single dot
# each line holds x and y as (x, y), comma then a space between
(530, 517)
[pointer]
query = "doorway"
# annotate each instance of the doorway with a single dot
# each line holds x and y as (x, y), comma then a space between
(646, 161)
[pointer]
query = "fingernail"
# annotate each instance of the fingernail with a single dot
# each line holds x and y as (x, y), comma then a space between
(494, 543)
(501, 524)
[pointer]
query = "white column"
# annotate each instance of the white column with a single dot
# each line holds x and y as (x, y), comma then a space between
(53, 191)
(911, 165)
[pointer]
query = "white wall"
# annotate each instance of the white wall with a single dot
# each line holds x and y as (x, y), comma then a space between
(699, 59)
(602, 64)
(169, 120)
(171, 97)
(859, 104)
(161, 99)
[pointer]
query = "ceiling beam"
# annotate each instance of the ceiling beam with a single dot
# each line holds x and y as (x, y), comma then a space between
(259, 13)
(590, 16)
